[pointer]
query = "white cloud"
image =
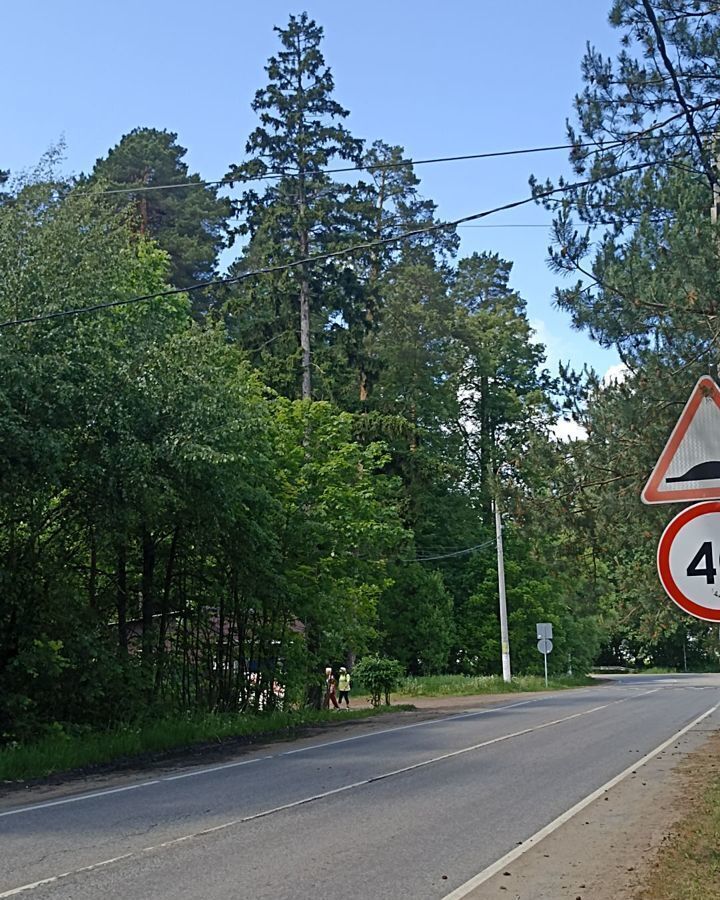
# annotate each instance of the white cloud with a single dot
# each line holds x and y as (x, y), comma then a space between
(615, 374)
(541, 334)
(568, 430)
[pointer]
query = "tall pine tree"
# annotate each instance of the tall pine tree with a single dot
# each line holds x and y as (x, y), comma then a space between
(300, 212)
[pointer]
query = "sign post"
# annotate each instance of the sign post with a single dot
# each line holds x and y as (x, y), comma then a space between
(544, 643)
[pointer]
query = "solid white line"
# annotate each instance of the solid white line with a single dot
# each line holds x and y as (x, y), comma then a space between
(49, 803)
(510, 857)
(305, 800)
(243, 762)
(232, 765)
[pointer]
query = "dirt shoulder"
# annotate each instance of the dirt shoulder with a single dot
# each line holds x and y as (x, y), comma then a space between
(625, 845)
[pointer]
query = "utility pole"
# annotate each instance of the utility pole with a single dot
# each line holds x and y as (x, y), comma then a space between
(504, 637)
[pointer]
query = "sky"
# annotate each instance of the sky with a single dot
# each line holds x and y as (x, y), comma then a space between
(440, 79)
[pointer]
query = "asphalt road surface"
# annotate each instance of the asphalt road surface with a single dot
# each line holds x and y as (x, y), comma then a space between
(399, 812)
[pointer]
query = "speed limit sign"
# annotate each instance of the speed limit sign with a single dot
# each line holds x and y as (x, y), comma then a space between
(688, 560)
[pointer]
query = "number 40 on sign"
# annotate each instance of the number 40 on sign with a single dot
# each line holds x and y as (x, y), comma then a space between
(688, 560)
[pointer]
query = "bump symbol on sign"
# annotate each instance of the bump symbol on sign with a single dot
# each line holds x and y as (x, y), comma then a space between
(689, 467)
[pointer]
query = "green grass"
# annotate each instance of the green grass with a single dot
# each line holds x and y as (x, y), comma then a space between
(61, 752)
(462, 685)
(688, 865)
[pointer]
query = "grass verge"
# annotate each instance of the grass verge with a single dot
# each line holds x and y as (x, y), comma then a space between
(61, 752)
(688, 865)
(462, 685)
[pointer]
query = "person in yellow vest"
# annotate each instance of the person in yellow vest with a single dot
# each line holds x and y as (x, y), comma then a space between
(344, 686)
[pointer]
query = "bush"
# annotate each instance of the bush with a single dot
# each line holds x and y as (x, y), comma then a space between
(379, 677)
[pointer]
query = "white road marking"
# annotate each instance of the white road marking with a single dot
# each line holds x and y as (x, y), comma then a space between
(232, 765)
(323, 795)
(243, 762)
(43, 881)
(515, 854)
(49, 803)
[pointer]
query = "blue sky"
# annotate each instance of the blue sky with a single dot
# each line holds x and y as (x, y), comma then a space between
(459, 77)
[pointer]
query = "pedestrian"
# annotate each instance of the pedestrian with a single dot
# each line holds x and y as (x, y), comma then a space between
(344, 686)
(330, 686)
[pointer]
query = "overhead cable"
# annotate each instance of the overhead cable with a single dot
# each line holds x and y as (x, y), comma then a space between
(319, 257)
(599, 146)
(397, 164)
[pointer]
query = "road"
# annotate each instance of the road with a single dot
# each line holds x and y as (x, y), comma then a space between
(398, 812)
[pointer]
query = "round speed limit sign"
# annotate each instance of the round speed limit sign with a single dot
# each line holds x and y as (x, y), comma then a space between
(688, 560)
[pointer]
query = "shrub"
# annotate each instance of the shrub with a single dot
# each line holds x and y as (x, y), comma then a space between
(379, 676)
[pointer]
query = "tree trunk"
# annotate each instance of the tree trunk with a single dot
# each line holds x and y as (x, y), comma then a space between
(92, 578)
(148, 600)
(371, 287)
(121, 599)
(303, 240)
(314, 694)
(165, 608)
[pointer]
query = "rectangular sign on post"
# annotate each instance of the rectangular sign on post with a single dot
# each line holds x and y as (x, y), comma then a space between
(544, 630)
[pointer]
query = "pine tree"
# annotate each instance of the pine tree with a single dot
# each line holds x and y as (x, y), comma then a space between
(390, 204)
(641, 240)
(301, 211)
(187, 222)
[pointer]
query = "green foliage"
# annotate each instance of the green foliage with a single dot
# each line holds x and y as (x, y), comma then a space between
(470, 685)
(640, 239)
(181, 534)
(379, 676)
(187, 222)
(416, 619)
(62, 750)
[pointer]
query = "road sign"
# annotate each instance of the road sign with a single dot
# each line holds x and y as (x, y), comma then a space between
(544, 644)
(544, 630)
(688, 560)
(689, 467)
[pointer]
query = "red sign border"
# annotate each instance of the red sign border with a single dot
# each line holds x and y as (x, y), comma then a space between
(663, 561)
(652, 493)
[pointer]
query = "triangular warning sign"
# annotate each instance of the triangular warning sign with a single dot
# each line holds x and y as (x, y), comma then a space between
(689, 466)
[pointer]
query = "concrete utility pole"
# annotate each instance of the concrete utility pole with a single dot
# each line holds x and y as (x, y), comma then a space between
(504, 637)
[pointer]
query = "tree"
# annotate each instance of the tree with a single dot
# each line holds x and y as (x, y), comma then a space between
(187, 220)
(341, 524)
(416, 620)
(301, 210)
(503, 391)
(640, 238)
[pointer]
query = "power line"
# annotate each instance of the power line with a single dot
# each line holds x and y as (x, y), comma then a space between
(371, 167)
(495, 154)
(600, 147)
(455, 553)
(511, 225)
(319, 257)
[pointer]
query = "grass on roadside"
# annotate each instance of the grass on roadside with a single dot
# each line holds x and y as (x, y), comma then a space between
(462, 685)
(688, 864)
(61, 752)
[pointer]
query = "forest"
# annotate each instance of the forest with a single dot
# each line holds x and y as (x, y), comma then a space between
(217, 479)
